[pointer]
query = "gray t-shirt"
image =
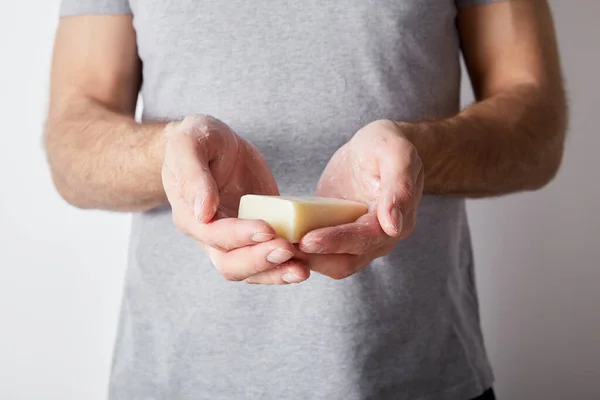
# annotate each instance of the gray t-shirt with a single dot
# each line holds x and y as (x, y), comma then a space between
(298, 79)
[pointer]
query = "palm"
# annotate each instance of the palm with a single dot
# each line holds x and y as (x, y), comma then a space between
(207, 168)
(351, 174)
(216, 160)
(380, 167)
(238, 174)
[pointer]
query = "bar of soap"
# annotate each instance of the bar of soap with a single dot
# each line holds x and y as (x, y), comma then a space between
(294, 216)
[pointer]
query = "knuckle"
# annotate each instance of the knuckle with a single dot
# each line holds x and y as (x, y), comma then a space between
(258, 267)
(236, 228)
(407, 193)
(258, 262)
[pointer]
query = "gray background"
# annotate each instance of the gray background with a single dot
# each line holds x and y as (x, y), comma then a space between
(61, 269)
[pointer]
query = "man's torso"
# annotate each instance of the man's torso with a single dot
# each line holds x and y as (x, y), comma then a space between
(297, 79)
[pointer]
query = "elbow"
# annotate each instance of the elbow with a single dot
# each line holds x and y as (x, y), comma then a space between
(546, 172)
(548, 163)
(66, 186)
(63, 174)
(549, 146)
(69, 192)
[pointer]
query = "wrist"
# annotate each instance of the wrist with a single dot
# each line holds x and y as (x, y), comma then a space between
(409, 130)
(419, 134)
(157, 144)
(154, 144)
(431, 136)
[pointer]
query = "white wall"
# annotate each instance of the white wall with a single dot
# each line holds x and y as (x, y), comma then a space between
(538, 255)
(61, 269)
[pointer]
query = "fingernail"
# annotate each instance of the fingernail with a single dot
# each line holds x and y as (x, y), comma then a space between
(288, 277)
(279, 256)
(313, 248)
(198, 203)
(397, 219)
(262, 237)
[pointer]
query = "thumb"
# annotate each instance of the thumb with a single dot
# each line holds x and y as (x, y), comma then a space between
(394, 198)
(187, 159)
(389, 213)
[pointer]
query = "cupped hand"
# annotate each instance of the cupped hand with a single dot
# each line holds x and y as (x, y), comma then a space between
(207, 169)
(379, 166)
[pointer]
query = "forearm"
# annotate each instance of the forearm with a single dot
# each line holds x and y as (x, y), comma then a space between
(509, 142)
(101, 159)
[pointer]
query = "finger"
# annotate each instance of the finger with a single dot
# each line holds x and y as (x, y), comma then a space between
(221, 233)
(241, 263)
(293, 271)
(336, 266)
(410, 221)
(400, 192)
(186, 163)
(360, 237)
(231, 233)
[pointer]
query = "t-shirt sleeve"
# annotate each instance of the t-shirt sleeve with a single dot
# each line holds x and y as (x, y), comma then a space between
(464, 3)
(93, 7)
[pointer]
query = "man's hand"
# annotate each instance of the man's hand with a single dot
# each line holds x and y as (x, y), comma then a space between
(380, 167)
(207, 168)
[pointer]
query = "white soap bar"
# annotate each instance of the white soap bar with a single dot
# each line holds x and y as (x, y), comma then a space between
(294, 216)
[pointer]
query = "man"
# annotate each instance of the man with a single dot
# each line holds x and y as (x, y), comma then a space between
(358, 100)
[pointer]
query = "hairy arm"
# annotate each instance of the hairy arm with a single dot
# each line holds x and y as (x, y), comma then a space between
(99, 156)
(512, 138)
